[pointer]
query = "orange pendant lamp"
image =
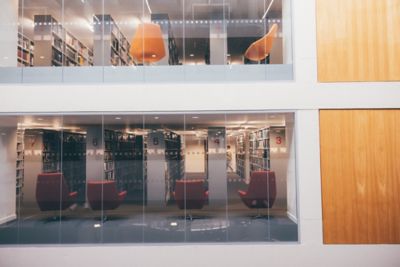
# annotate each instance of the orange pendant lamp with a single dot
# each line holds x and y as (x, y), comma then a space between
(261, 48)
(147, 44)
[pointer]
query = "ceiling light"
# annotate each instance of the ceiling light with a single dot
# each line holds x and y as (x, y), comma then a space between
(195, 117)
(41, 57)
(156, 118)
(40, 119)
(153, 55)
(97, 225)
(148, 6)
(191, 55)
(117, 118)
(268, 8)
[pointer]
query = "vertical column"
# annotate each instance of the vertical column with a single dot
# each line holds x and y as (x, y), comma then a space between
(156, 191)
(217, 177)
(8, 158)
(94, 153)
(287, 31)
(8, 33)
(218, 42)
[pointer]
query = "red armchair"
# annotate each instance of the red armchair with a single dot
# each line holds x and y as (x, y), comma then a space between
(103, 195)
(52, 192)
(190, 194)
(261, 192)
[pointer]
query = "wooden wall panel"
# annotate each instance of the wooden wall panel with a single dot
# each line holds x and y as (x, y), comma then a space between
(360, 170)
(358, 40)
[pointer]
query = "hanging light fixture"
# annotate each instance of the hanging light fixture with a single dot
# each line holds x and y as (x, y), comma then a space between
(148, 44)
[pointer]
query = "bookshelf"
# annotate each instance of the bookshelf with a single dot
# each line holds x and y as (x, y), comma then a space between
(47, 151)
(164, 22)
(25, 51)
(241, 156)
(51, 153)
(74, 163)
(20, 164)
(259, 150)
(55, 46)
(174, 158)
(111, 47)
(123, 159)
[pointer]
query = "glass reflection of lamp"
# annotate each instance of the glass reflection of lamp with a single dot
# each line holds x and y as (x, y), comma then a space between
(147, 44)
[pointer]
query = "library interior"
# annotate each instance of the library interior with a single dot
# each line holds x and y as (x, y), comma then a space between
(150, 178)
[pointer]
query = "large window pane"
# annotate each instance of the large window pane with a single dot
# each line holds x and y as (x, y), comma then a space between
(165, 215)
(154, 178)
(82, 161)
(206, 161)
(262, 182)
(40, 189)
(123, 183)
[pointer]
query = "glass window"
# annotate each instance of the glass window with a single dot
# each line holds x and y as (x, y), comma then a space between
(154, 178)
(147, 41)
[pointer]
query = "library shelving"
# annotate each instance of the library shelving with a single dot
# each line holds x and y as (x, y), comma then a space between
(174, 157)
(241, 156)
(48, 151)
(20, 164)
(111, 47)
(55, 46)
(25, 51)
(74, 163)
(259, 150)
(109, 148)
(123, 159)
(51, 153)
(164, 22)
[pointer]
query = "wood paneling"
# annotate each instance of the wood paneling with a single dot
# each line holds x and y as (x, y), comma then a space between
(360, 169)
(358, 40)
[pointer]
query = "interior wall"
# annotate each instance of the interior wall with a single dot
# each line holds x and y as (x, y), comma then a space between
(360, 176)
(291, 170)
(8, 33)
(279, 154)
(304, 93)
(94, 153)
(8, 157)
(195, 155)
(358, 40)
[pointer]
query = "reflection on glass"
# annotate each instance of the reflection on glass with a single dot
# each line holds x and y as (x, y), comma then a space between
(145, 32)
(153, 178)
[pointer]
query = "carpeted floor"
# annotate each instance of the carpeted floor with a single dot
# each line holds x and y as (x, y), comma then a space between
(135, 223)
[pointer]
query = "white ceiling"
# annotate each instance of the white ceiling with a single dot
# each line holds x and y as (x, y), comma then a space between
(78, 14)
(180, 122)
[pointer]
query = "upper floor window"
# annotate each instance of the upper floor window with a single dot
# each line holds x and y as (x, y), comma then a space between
(135, 40)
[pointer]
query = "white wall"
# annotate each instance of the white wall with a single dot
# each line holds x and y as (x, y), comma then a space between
(194, 157)
(291, 170)
(95, 153)
(304, 94)
(8, 157)
(8, 36)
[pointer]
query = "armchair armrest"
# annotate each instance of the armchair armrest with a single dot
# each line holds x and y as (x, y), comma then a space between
(242, 193)
(73, 194)
(122, 195)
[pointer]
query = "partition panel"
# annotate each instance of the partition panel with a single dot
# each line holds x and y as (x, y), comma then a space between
(358, 40)
(360, 150)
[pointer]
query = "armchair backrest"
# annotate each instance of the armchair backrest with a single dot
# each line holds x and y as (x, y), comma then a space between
(262, 185)
(192, 191)
(52, 191)
(102, 194)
